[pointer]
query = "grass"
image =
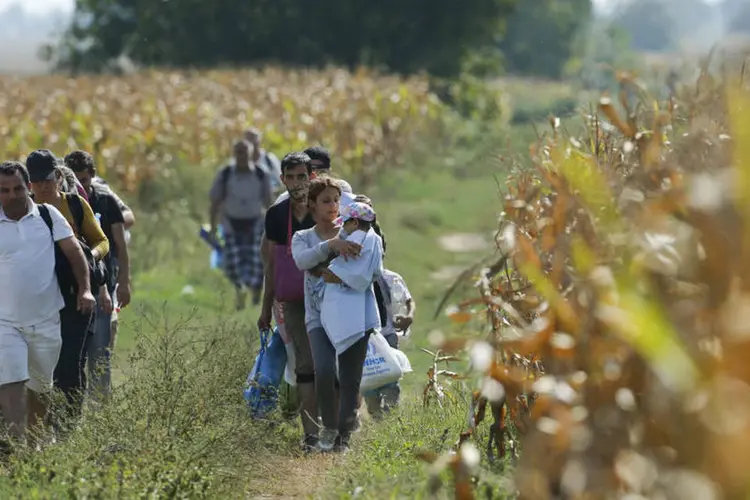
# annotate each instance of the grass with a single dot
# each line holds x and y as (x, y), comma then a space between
(176, 425)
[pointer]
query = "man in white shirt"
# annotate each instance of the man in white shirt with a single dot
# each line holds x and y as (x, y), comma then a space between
(30, 297)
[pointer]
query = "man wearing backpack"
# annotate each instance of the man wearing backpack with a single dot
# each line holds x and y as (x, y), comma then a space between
(117, 289)
(239, 197)
(265, 159)
(46, 178)
(34, 240)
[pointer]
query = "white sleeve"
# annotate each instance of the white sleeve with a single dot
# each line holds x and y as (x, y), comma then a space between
(61, 230)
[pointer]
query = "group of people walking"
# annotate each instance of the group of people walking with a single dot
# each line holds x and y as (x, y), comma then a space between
(65, 270)
(313, 259)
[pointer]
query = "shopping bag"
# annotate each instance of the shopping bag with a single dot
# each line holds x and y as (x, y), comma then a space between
(289, 376)
(261, 387)
(383, 364)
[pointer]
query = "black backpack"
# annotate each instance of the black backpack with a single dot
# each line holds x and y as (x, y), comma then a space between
(65, 276)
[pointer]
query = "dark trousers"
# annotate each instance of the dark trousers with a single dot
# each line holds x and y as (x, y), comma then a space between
(70, 374)
(351, 364)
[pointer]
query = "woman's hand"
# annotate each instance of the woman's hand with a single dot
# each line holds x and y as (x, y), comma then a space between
(345, 248)
(329, 277)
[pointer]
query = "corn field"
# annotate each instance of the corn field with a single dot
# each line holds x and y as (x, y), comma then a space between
(624, 272)
(138, 125)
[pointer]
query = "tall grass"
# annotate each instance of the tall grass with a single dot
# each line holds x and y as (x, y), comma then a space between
(623, 269)
(139, 125)
(175, 427)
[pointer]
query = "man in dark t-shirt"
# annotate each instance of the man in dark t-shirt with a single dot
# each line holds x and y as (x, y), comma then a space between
(107, 209)
(282, 220)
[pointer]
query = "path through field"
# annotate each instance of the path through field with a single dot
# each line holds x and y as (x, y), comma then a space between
(437, 222)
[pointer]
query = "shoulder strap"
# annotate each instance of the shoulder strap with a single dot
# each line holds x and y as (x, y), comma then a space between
(289, 230)
(47, 218)
(226, 172)
(76, 208)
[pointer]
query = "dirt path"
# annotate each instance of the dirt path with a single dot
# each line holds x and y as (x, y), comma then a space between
(291, 477)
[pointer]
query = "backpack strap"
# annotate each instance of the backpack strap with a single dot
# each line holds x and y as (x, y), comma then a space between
(47, 218)
(226, 172)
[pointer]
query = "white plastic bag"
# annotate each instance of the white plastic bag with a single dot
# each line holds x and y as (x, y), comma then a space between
(289, 375)
(383, 364)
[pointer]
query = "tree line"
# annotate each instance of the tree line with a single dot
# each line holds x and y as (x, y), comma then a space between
(403, 36)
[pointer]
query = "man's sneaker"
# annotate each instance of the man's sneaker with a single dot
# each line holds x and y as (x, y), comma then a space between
(341, 445)
(309, 443)
(327, 439)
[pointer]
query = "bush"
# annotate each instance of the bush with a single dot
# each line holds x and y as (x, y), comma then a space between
(175, 427)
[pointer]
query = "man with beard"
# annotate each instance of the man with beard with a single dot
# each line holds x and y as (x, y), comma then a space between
(284, 282)
(34, 239)
(321, 167)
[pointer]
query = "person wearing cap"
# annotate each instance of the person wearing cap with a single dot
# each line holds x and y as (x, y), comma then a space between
(45, 177)
(116, 292)
(321, 167)
(348, 314)
(32, 239)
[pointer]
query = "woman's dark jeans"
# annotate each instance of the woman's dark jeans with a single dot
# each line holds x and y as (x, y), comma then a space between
(351, 363)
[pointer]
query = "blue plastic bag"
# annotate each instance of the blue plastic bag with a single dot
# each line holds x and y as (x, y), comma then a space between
(262, 385)
(215, 260)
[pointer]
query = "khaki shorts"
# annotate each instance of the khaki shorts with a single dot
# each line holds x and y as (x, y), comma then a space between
(30, 354)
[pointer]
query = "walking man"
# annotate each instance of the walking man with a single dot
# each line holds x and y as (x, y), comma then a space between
(285, 282)
(117, 290)
(320, 160)
(30, 298)
(265, 159)
(239, 196)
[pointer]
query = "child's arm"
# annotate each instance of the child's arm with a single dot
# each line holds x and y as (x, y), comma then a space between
(359, 273)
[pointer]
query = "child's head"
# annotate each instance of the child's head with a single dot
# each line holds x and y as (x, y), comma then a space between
(356, 216)
(323, 199)
(375, 225)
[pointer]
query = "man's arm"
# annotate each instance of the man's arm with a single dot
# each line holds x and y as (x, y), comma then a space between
(123, 260)
(128, 217)
(269, 292)
(216, 197)
(127, 214)
(77, 259)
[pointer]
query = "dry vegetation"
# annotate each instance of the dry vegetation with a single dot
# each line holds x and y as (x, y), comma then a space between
(139, 123)
(625, 269)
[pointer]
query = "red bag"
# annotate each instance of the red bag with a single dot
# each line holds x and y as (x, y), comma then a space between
(289, 281)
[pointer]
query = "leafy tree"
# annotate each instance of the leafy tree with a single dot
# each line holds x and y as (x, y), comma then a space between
(541, 34)
(403, 35)
(649, 23)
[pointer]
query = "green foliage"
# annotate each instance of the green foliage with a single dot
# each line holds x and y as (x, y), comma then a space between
(196, 33)
(649, 23)
(601, 49)
(175, 427)
(540, 35)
